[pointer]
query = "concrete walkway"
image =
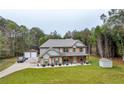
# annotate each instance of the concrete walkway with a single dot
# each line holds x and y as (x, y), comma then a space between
(21, 66)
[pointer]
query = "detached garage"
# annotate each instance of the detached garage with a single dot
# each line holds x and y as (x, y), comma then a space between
(30, 54)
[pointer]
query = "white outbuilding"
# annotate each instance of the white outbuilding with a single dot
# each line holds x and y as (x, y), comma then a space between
(105, 63)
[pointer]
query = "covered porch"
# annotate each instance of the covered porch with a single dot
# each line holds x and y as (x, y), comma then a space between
(74, 59)
(55, 60)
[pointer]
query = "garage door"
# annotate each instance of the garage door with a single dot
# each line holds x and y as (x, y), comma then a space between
(27, 54)
(33, 54)
(30, 54)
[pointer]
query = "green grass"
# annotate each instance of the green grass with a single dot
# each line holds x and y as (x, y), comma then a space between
(4, 63)
(91, 74)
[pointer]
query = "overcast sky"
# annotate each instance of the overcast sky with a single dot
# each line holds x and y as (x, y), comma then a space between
(59, 20)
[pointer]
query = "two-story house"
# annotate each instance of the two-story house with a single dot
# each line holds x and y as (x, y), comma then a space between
(63, 50)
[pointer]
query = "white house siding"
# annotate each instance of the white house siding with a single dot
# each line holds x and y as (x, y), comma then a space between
(43, 50)
(46, 56)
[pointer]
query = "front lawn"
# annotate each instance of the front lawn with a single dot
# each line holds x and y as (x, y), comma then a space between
(91, 74)
(4, 63)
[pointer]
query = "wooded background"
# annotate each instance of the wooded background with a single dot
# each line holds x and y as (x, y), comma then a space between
(106, 40)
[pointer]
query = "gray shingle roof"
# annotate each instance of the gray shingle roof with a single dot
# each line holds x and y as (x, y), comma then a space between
(61, 43)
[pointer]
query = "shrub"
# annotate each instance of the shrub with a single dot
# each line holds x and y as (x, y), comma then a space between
(60, 64)
(52, 65)
(48, 64)
(66, 63)
(43, 65)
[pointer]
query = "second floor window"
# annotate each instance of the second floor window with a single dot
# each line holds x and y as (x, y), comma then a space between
(81, 49)
(65, 50)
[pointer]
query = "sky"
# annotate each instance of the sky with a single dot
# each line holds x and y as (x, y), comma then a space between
(59, 20)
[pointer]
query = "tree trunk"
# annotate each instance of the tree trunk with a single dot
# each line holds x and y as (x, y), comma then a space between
(99, 44)
(97, 49)
(106, 47)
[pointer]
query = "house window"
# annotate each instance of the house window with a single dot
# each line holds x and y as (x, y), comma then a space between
(65, 50)
(74, 49)
(81, 50)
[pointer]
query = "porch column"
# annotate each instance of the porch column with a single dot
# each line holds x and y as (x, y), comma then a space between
(74, 59)
(41, 60)
(50, 60)
(60, 60)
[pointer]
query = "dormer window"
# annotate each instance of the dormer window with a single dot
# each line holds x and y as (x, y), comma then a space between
(65, 49)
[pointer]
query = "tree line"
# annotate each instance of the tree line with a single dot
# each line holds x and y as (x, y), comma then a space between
(15, 39)
(106, 40)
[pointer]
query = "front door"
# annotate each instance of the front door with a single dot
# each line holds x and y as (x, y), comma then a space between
(65, 60)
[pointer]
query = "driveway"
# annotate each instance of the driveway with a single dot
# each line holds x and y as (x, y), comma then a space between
(30, 63)
(19, 66)
(14, 68)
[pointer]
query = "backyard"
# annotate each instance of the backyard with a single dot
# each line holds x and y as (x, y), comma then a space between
(90, 74)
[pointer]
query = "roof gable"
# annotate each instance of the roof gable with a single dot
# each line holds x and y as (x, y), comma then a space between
(78, 44)
(51, 52)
